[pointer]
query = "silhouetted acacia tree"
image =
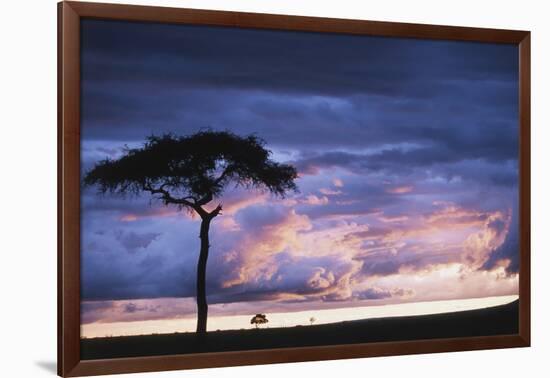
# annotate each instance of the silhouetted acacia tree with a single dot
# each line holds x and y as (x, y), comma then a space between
(259, 319)
(191, 171)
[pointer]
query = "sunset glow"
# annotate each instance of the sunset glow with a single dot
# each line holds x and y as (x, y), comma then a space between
(291, 319)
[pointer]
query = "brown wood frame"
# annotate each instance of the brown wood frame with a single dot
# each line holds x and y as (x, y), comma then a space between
(69, 15)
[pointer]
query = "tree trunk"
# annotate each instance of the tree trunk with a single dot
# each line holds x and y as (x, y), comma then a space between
(202, 305)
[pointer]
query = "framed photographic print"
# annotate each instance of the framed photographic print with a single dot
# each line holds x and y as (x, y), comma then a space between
(239, 188)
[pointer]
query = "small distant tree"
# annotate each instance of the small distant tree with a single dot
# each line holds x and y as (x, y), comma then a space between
(259, 319)
(312, 320)
(189, 172)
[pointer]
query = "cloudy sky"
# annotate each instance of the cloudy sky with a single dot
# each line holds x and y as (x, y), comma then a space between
(407, 153)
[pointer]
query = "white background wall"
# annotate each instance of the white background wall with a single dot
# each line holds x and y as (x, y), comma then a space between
(28, 186)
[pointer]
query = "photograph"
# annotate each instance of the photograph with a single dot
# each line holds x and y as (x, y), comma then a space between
(250, 189)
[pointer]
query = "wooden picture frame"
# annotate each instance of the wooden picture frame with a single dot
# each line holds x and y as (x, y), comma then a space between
(69, 17)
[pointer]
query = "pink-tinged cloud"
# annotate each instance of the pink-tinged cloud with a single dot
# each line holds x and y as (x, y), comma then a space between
(235, 202)
(330, 192)
(480, 245)
(313, 200)
(338, 183)
(449, 281)
(400, 189)
(155, 211)
(325, 258)
(228, 223)
(137, 310)
(451, 213)
(337, 257)
(393, 219)
(254, 252)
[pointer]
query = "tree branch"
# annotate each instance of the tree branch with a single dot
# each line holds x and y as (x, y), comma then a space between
(208, 197)
(216, 211)
(224, 174)
(167, 197)
(204, 200)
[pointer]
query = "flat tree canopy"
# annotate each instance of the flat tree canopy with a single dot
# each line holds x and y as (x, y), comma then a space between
(192, 170)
